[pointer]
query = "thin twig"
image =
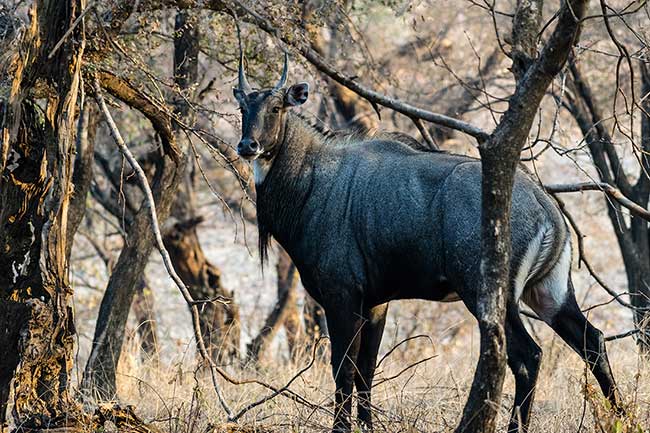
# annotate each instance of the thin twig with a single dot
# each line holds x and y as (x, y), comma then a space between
(280, 390)
(425, 133)
(622, 335)
(582, 257)
(408, 367)
(150, 203)
(406, 340)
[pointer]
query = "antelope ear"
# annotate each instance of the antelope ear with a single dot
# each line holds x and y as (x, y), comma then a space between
(296, 95)
(239, 94)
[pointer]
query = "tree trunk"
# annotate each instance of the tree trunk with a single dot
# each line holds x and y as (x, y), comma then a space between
(499, 159)
(99, 374)
(497, 178)
(315, 325)
(640, 286)
(219, 322)
(83, 169)
(36, 320)
(288, 282)
(285, 311)
(145, 321)
(143, 305)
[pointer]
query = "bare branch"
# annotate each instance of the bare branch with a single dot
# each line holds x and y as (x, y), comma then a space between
(622, 335)
(403, 370)
(425, 134)
(279, 391)
(158, 116)
(610, 190)
(605, 143)
(582, 257)
(404, 341)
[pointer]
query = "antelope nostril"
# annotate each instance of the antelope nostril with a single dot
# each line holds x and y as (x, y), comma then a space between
(247, 146)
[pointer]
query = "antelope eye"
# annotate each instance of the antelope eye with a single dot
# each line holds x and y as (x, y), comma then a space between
(275, 109)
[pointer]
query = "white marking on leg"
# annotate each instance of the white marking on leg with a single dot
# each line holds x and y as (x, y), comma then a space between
(548, 296)
(558, 281)
(532, 260)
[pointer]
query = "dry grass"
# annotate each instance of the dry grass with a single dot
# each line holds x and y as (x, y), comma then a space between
(428, 397)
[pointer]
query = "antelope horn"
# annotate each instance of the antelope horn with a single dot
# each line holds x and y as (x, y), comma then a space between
(243, 82)
(283, 78)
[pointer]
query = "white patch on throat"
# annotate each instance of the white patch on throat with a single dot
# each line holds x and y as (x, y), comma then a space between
(261, 168)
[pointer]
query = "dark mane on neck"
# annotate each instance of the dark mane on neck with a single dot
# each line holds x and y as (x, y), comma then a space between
(321, 127)
(361, 134)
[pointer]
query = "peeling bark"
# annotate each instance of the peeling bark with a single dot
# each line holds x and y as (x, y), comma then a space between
(36, 188)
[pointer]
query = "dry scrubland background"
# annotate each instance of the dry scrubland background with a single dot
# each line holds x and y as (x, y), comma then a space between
(427, 397)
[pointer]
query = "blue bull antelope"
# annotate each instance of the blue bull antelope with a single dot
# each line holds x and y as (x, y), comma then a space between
(371, 219)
